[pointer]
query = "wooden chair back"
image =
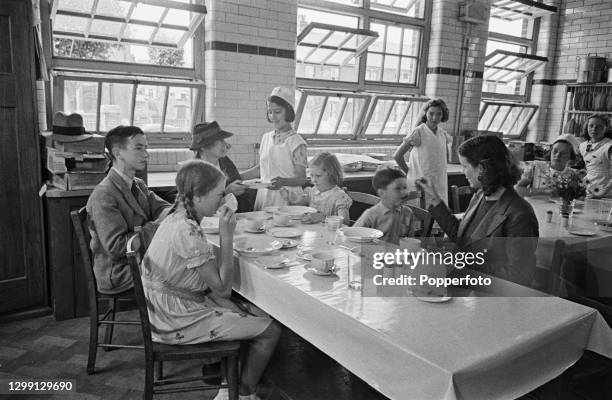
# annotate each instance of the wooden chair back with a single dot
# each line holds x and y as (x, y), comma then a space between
(457, 193)
(80, 223)
(134, 256)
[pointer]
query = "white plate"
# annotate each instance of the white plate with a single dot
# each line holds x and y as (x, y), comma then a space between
(210, 224)
(271, 209)
(256, 184)
(604, 225)
(296, 212)
(284, 232)
(582, 232)
(289, 243)
(434, 299)
(256, 245)
(359, 234)
(304, 256)
(317, 272)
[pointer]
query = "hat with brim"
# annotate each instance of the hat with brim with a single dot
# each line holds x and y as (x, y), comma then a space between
(69, 128)
(206, 133)
(569, 139)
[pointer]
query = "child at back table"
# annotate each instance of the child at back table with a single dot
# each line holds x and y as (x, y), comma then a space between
(326, 196)
(597, 154)
(427, 145)
(391, 216)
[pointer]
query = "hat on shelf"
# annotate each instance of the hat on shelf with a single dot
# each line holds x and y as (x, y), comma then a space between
(207, 133)
(69, 128)
(284, 93)
(569, 139)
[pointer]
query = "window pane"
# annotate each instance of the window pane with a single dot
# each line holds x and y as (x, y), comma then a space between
(145, 12)
(149, 105)
(82, 97)
(374, 67)
(116, 105)
(411, 8)
(310, 115)
(65, 23)
(306, 16)
(408, 72)
(357, 3)
(522, 119)
(76, 5)
(378, 117)
(378, 45)
(516, 87)
(520, 28)
(390, 71)
(113, 8)
(330, 116)
(412, 42)
(484, 122)
(499, 118)
(351, 115)
(394, 35)
(99, 27)
(178, 114)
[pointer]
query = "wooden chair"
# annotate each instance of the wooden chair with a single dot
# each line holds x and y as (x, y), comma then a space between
(427, 222)
(81, 229)
(227, 351)
(457, 192)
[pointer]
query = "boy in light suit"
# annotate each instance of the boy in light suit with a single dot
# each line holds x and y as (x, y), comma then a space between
(117, 205)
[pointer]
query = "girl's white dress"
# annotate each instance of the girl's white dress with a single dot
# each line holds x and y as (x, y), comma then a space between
(598, 167)
(277, 158)
(180, 310)
(428, 158)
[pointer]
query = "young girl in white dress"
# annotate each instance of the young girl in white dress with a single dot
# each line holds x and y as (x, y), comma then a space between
(326, 196)
(282, 153)
(188, 288)
(597, 154)
(427, 145)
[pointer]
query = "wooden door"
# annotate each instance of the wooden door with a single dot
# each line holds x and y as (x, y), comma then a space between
(22, 268)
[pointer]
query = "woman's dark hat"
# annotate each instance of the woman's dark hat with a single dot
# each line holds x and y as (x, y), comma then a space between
(207, 133)
(68, 128)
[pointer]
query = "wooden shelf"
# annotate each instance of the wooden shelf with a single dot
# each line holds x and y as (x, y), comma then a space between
(589, 112)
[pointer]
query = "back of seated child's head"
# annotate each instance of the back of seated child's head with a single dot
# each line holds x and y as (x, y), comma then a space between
(330, 165)
(384, 176)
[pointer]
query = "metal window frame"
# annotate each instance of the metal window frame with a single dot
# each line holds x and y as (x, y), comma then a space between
(527, 64)
(169, 139)
(521, 129)
(392, 7)
(397, 135)
(305, 93)
(198, 10)
(511, 10)
(365, 14)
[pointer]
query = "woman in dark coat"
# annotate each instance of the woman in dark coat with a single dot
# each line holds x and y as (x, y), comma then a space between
(498, 221)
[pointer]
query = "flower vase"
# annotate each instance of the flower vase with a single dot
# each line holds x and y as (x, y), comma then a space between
(566, 208)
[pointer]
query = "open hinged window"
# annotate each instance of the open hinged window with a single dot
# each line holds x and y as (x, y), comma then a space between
(330, 114)
(511, 10)
(391, 116)
(509, 118)
(163, 108)
(413, 8)
(160, 23)
(325, 44)
(504, 67)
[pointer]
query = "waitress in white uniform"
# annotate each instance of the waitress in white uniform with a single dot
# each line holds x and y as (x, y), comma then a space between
(282, 153)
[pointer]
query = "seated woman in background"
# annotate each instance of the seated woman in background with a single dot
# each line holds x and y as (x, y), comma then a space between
(537, 177)
(497, 218)
(188, 288)
(326, 196)
(209, 145)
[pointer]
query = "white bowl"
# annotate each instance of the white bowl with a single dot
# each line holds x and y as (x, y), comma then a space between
(360, 234)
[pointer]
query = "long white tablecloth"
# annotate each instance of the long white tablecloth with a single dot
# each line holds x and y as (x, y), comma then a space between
(467, 348)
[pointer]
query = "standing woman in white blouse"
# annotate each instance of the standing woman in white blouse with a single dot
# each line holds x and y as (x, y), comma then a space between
(282, 153)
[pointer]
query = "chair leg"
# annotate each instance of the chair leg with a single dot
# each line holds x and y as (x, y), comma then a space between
(232, 376)
(149, 371)
(93, 342)
(160, 370)
(108, 335)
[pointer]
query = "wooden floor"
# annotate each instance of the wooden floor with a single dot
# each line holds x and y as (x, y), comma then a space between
(44, 348)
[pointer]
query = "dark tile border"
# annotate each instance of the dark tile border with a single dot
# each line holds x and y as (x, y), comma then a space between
(249, 49)
(553, 82)
(453, 72)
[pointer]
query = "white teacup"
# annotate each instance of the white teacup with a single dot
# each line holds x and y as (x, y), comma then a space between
(254, 224)
(323, 262)
(281, 219)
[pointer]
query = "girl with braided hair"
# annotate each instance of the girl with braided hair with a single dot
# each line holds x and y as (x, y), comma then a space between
(188, 288)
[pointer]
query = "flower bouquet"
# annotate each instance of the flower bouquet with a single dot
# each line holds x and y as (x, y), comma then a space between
(569, 186)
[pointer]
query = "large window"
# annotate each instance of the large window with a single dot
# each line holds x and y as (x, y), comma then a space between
(352, 53)
(509, 64)
(127, 62)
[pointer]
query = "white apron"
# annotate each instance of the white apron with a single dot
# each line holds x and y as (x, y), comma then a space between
(275, 160)
(429, 159)
(598, 167)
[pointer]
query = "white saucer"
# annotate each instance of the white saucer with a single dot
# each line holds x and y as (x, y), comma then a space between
(307, 256)
(282, 225)
(434, 299)
(284, 232)
(289, 243)
(260, 230)
(582, 232)
(319, 273)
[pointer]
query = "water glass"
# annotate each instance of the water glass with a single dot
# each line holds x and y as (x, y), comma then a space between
(332, 224)
(354, 273)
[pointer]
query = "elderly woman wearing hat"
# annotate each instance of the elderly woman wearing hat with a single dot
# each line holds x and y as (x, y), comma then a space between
(282, 153)
(537, 177)
(209, 145)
